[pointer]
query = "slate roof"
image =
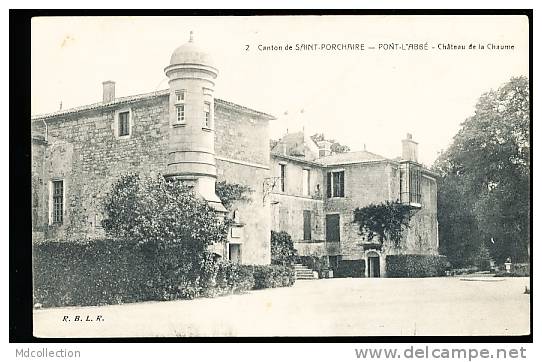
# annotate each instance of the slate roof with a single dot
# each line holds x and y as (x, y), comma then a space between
(351, 157)
(141, 97)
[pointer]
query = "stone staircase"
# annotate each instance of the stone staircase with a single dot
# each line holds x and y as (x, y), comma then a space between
(303, 273)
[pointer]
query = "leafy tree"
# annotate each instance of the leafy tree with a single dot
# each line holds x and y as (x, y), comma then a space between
(282, 248)
(386, 221)
(155, 210)
(485, 175)
(336, 147)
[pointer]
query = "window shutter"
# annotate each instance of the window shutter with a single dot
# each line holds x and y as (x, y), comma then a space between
(306, 225)
(329, 184)
(341, 181)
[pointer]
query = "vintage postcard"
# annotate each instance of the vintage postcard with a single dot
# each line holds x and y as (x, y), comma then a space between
(281, 176)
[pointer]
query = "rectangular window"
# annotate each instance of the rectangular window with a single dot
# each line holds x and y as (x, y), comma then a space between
(410, 184)
(124, 124)
(333, 228)
(306, 182)
(207, 114)
(58, 202)
(180, 113)
(180, 95)
(307, 225)
(335, 184)
(282, 178)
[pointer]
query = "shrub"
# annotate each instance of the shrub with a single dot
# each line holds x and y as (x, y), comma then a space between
(350, 269)
(231, 278)
(282, 248)
(154, 210)
(516, 270)
(273, 276)
(467, 270)
(416, 266)
(482, 259)
(121, 271)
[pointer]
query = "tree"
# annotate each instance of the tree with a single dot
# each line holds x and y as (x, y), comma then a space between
(484, 184)
(336, 147)
(386, 221)
(282, 248)
(154, 210)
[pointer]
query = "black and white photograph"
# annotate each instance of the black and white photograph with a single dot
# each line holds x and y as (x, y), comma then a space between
(281, 176)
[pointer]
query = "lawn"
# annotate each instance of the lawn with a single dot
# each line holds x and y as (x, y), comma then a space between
(328, 307)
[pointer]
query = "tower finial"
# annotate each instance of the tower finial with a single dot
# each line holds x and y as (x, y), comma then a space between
(191, 36)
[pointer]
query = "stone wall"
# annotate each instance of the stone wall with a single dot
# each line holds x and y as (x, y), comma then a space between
(240, 135)
(422, 234)
(287, 207)
(84, 151)
(255, 235)
(364, 184)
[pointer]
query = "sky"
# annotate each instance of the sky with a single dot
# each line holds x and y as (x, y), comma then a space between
(362, 98)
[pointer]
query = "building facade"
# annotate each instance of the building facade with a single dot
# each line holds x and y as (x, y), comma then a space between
(316, 193)
(185, 133)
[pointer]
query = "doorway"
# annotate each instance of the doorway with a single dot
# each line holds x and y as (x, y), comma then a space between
(234, 252)
(373, 266)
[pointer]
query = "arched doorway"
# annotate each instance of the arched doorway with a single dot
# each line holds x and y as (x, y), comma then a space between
(373, 264)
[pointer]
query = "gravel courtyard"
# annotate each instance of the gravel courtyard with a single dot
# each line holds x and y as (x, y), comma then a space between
(329, 307)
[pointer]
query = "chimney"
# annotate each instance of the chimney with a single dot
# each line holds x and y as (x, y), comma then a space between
(410, 149)
(109, 91)
(324, 148)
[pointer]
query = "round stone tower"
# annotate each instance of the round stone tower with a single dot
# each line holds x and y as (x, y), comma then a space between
(191, 156)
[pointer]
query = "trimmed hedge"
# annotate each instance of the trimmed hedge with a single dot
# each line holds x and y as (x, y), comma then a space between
(350, 269)
(516, 270)
(416, 266)
(102, 272)
(273, 276)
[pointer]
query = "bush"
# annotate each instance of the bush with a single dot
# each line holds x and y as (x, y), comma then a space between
(467, 270)
(273, 276)
(282, 248)
(316, 263)
(350, 269)
(231, 278)
(482, 259)
(416, 266)
(516, 270)
(102, 272)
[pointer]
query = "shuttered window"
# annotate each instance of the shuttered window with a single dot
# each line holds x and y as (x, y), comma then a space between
(58, 202)
(282, 177)
(335, 184)
(333, 229)
(124, 124)
(306, 182)
(307, 225)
